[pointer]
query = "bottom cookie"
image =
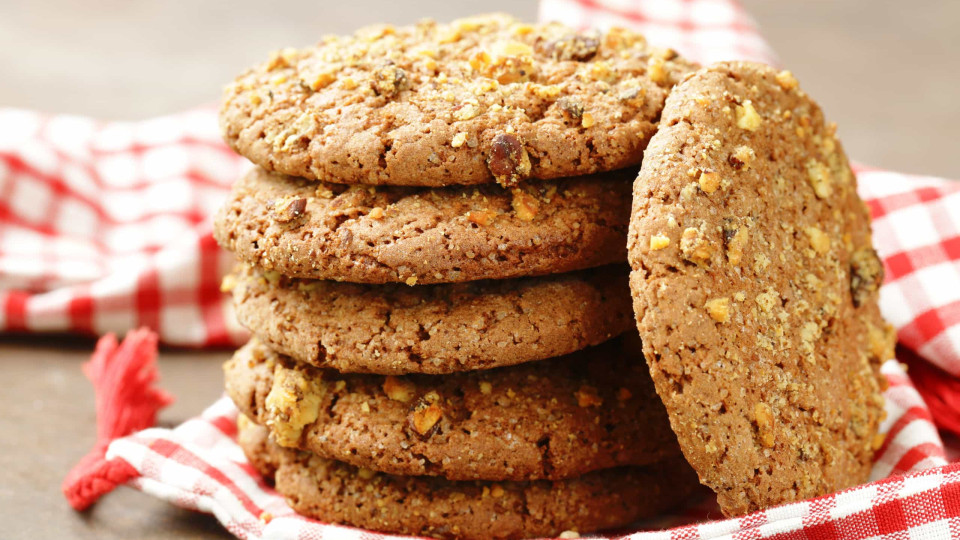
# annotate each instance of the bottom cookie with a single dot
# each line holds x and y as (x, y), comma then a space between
(339, 493)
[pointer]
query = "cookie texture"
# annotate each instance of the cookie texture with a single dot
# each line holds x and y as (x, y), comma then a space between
(395, 329)
(475, 101)
(336, 492)
(755, 290)
(365, 234)
(552, 419)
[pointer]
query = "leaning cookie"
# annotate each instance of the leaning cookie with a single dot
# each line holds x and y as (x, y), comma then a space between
(335, 492)
(471, 102)
(755, 290)
(394, 329)
(365, 234)
(545, 420)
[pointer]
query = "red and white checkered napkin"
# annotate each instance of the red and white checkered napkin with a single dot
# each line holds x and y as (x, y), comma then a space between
(105, 227)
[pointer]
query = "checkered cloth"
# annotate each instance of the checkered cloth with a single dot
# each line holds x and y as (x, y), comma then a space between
(105, 227)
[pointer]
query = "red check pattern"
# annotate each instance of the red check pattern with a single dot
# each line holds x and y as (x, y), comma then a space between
(105, 227)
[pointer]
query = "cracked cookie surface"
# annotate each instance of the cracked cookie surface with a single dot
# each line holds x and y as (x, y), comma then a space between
(551, 419)
(367, 234)
(339, 493)
(755, 290)
(475, 101)
(393, 329)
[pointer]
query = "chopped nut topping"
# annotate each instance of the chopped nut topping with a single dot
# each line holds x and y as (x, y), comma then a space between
(481, 217)
(322, 80)
(292, 403)
(878, 441)
(376, 213)
(742, 157)
(425, 417)
(818, 239)
(390, 80)
(365, 474)
(497, 491)
(655, 70)
(229, 283)
(820, 180)
(266, 517)
(288, 209)
(747, 116)
(485, 387)
(458, 140)
(508, 160)
(411, 281)
(398, 389)
(572, 109)
(569, 534)
(768, 300)
(659, 241)
(866, 275)
(735, 237)
(694, 246)
(575, 47)
(587, 397)
(587, 121)
(786, 80)
(719, 309)
(709, 181)
(466, 111)
(525, 205)
(764, 417)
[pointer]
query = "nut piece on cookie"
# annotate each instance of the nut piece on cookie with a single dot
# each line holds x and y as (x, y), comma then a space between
(390, 80)
(288, 209)
(508, 160)
(292, 404)
(426, 414)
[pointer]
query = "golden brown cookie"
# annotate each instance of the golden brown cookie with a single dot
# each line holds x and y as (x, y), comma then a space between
(366, 234)
(335, 492)
(478, 100)
(755, 290)
(394, 329)
(544, 420)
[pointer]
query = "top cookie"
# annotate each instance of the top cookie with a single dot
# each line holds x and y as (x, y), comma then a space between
(481, 99)
(755, 289)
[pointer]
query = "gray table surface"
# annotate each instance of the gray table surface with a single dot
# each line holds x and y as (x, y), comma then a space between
(886, 71)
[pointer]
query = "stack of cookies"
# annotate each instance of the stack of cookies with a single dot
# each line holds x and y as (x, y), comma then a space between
(434, 248)
(433, 267)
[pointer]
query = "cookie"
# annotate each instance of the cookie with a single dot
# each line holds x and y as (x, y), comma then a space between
(394, 329)
(552, 419)
(335, 492)
(365, 234)
(475, 101)
(755, 290)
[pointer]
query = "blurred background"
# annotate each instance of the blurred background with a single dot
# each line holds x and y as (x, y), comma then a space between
(887, 71)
